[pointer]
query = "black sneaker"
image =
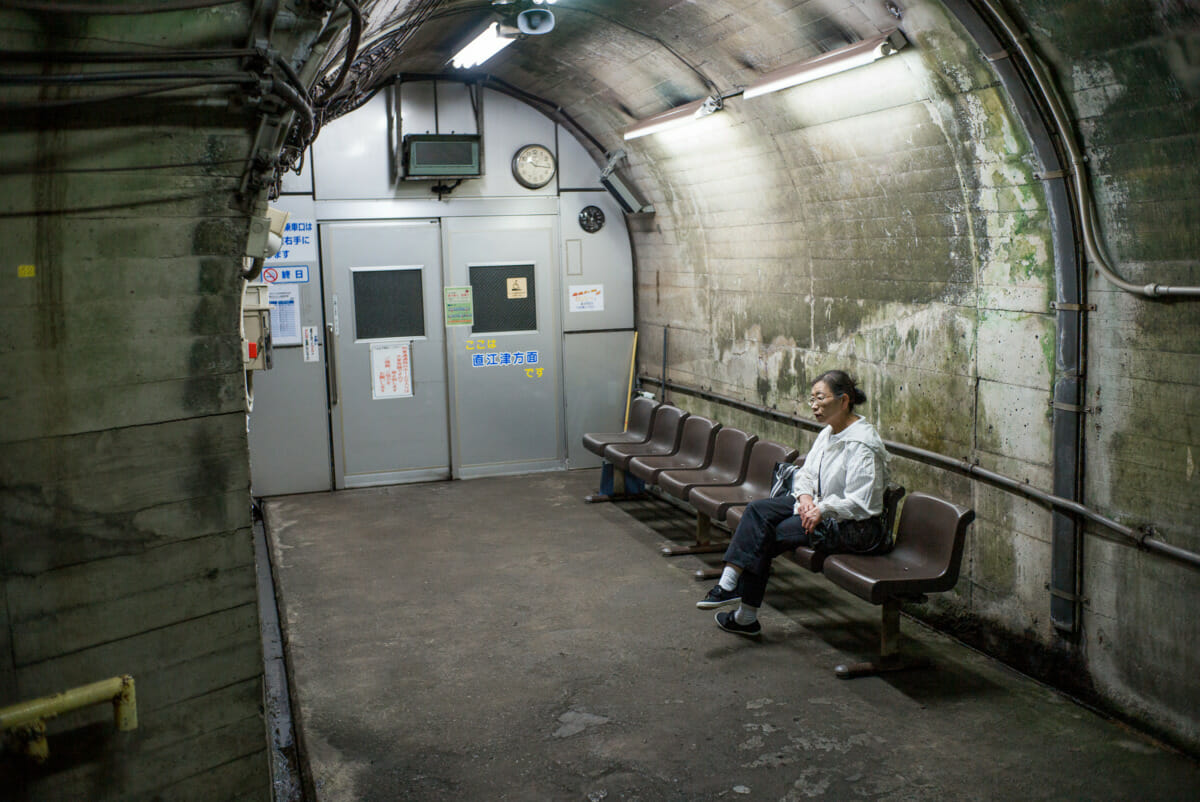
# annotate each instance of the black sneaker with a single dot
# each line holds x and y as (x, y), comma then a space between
(728, 622)
(719, 597)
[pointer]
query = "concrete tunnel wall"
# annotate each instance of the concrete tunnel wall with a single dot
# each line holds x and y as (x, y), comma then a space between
(889, 220)
(125, 539)
(889, 223)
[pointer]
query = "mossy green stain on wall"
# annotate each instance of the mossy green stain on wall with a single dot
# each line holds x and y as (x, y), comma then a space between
(786, 383)
(922, 416)
(764, 390)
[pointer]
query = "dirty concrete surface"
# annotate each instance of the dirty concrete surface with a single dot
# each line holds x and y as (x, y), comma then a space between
(499, 639)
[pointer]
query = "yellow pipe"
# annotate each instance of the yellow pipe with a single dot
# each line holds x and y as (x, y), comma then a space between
(27, 720)
(629, 389)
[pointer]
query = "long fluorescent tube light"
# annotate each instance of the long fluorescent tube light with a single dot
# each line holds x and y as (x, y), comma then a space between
(672, 118)
(835, 61)
(482, 47)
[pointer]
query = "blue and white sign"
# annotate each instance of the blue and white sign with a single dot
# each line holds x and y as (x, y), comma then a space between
(299, 243)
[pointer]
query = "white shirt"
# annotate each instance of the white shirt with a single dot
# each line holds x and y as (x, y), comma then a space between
(845, 473)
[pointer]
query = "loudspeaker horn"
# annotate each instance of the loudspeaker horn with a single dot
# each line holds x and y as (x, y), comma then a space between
(535, 21)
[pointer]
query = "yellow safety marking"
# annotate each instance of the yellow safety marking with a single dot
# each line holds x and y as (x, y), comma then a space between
(26, 271)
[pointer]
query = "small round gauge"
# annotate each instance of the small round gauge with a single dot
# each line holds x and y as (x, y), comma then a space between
(591, 219)
(533, 166)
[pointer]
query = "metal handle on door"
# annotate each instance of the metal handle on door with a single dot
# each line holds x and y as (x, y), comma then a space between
(331, 365)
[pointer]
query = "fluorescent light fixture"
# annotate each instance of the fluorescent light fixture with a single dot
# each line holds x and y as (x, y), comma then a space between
(671, 118)
(482, 47)
(835, 61)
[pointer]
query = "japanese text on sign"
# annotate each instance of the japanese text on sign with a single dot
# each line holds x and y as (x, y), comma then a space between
(299, 243)
(503, 358)
(587, 297)
(391, 370)
(460, 308)
(285, 314)
(291, 274)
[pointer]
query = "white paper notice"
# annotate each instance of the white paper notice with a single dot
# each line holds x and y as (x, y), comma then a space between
(285, 313)
(391, 370)
(309, 334)
(587, 297)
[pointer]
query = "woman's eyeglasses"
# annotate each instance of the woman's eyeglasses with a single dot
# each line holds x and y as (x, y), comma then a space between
(821, 399)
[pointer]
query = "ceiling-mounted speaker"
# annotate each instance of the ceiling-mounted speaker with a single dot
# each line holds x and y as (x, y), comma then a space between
(535, 21)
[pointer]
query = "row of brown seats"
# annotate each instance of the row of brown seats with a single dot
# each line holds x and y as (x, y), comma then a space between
(719, 470)
(694, 459)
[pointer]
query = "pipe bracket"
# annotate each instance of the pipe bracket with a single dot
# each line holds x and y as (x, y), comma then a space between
(1062, 594)
(1065, 407)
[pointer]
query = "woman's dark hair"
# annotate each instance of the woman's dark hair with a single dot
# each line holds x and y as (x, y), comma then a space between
(842, 383)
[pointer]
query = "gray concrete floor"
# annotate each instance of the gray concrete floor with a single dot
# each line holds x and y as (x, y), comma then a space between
(498, 639)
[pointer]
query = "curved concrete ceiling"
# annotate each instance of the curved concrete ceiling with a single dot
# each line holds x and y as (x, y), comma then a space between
(609, 63)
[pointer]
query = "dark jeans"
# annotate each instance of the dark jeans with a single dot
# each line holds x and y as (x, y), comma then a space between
(768, 528)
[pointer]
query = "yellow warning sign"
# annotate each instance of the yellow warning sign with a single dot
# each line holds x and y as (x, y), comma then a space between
(29, 271)
(516, 287)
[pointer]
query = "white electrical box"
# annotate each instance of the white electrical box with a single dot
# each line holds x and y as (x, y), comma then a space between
(256, 327)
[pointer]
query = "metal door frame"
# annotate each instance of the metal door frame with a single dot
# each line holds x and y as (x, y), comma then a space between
(336, 385)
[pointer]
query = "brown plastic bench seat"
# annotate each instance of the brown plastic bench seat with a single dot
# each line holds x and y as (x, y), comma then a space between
(716, 501)
(814, 559)
(733, 515)
(711, 501)
(926, 559)
(665, 432)
(695, 450)
(731, 455)
(641, 413)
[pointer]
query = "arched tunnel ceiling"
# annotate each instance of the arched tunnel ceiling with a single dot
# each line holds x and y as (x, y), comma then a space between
(609, 63)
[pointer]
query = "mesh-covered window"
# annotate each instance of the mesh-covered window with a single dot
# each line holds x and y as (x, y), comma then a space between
(388, 303)
(505, 299)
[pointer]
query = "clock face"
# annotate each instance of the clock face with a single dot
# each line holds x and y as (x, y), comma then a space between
(591, 219)
(533, 166)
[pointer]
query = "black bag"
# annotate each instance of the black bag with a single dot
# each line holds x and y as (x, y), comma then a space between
(781, 479)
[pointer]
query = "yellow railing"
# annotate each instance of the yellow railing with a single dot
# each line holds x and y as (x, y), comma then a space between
(26, 722)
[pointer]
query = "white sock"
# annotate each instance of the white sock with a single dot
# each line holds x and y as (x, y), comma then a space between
(746, 614)
(729, 578)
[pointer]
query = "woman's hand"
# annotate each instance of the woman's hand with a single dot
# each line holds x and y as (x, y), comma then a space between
(806, 509)
(810, 518)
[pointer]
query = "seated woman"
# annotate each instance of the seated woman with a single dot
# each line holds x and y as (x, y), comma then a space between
(835, 505)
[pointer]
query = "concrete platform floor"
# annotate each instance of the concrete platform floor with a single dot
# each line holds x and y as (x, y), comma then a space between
(498, 639)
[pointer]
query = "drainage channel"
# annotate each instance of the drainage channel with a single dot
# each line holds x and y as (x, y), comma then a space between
(286, 782)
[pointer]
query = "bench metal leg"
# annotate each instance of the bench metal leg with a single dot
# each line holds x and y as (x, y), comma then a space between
(890, 658)
(703, 544)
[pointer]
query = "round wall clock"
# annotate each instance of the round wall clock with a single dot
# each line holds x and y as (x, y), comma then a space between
(533, 166)
(591, 219)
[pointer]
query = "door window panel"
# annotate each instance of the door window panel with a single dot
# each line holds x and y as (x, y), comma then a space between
(388, 303)
(505, 298)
